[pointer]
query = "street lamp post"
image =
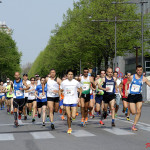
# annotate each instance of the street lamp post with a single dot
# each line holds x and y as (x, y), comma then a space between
(136, 48)
(142, 23)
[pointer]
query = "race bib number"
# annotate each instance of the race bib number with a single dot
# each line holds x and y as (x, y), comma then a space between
(19, 93)
(135, 88)
(70, 91)
(52, 93)
(85, 87)
(31, 94)
(43, 97)
(110, 88)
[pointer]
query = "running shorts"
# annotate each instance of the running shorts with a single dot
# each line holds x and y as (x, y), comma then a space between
(86, 97)
(134, 98)
(108, 98)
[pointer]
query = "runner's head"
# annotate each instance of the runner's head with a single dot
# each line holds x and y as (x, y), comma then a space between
(42, 80)
(70, 74)
(32, 79)
(115, 74)
(2, 83)
(102, 73)
(17, 75)
(128, 74)
(139, 70)
(64, 78)
(76, 78)
(37, 77)
(85, 72)
(8, 82)
(25, 77)
(52, 73)
(109, 72)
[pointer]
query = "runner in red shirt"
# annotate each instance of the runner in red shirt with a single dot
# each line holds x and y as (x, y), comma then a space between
(124, 98)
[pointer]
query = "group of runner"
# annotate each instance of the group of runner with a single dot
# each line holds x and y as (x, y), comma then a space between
(45, 96)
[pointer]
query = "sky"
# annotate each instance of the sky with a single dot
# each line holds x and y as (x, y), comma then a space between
(32, 22)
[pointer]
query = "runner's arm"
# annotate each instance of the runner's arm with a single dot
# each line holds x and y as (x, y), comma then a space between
(26, 85)
(126, 85)
(93, 83)
(120, 87)
(100, 85)
(146, 81)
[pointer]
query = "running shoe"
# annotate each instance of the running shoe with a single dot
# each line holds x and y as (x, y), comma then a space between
(52, 126)
(116, 115)
(1, 108)
(134, 128)
(39, 115)
(33, 120)
(91, 117)
(62, 117)
(77, 114)
(19, 117)
(25, 117)
(128, 118)
(113, 124)
(16, 123)
(7, 110)
(8, 113)
(43, 124)
(69, 131)
(12, 112)
(101, 122)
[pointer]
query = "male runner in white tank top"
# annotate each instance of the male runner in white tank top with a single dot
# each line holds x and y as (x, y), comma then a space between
(53, 84)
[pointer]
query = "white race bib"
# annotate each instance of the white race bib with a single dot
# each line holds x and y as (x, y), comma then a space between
(69, 91)
(43, 97)
(19, 93)
(110, 88)
(85, 87)
(135, 88)
(51, 92)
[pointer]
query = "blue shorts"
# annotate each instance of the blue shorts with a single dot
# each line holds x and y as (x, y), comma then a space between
(2, 96)
(91, 96)
(61, 102)
(98, 98)
(71, 105)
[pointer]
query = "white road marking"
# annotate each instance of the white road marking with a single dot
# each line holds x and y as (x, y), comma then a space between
(118, 131)
(82, 133)
(42, 135)
(6, 137)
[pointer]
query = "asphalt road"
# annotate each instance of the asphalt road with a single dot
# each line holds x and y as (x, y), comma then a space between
(93, 136)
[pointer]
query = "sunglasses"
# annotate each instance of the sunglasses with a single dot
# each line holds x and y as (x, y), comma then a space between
(86, 72)
(32, 80)
(42, 80)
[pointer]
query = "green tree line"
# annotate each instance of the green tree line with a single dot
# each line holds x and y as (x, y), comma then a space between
(82, 37)
(9, 56)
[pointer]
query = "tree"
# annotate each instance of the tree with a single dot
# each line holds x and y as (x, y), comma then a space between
(9, 56)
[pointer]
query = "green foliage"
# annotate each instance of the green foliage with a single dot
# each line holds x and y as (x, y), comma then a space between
(9, 56)
(79, 37)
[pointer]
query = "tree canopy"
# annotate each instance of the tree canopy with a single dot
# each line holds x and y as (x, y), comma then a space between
(9, 56)
(84, 36)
